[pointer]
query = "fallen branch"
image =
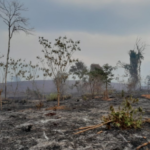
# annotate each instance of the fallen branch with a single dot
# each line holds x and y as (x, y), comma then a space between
(87, 127)
(147, 120)
(99, 132)
(142, 145)
(92, 127)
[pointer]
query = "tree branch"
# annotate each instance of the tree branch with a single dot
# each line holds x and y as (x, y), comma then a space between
(6, 21)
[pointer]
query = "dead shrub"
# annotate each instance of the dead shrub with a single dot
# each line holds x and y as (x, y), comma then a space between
(57, 108)
(39, 105)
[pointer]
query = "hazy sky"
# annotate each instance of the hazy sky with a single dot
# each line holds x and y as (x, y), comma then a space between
(107, 29)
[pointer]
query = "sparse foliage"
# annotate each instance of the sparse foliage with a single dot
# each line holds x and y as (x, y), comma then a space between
(107, 77)
(126, 116)
(58, 58)
(62, 77)
(95, 81)
(16, 69)
(80, 71)
(33, 75)
(10, 12)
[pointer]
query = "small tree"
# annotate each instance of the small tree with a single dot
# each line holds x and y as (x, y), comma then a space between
(107, 76)
(80, 71)
(95, 80)
(17, 70)
(10, 12)
(33, 75)
(58, 58)
(62, 77)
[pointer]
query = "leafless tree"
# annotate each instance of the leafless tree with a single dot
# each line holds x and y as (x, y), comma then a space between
(10, 12)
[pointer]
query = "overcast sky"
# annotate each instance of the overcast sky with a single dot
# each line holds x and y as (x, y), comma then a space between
(107, 29)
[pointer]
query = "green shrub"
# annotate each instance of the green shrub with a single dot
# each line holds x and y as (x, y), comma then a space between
(126, 116)
(52, 97)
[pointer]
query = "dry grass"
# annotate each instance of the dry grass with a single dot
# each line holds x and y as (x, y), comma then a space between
(39, 105)
(97, 97)
(108, 99)
(27, 110)
(57, 108)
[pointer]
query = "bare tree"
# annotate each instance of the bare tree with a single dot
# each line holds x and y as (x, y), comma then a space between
(10, 12)
(1, 76)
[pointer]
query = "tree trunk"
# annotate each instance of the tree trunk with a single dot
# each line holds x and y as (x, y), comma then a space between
(58, 93)
(1, 101)
(6, 71)
(106, 91)
(58, 97)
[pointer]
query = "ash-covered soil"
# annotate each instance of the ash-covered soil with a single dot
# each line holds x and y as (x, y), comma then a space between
(23, 127)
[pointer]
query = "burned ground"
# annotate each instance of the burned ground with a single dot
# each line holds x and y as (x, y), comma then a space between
(23, 127)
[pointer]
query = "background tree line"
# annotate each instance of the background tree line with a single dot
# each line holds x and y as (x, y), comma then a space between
(58, 62)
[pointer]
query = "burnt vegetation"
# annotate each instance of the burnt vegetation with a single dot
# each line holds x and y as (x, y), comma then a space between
(90, 82)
